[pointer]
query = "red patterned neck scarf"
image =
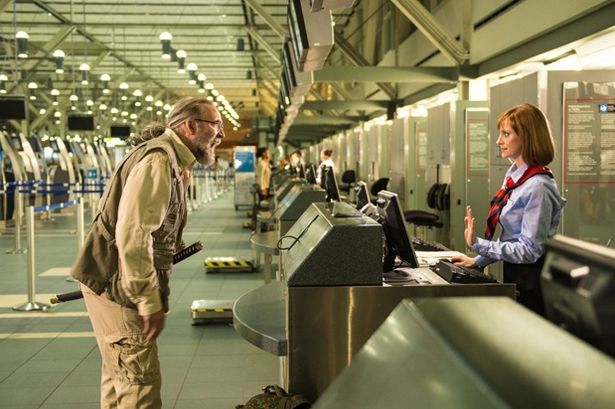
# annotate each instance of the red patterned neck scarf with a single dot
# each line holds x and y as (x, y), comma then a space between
(501, 197)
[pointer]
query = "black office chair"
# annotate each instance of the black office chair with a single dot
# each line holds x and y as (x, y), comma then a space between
(348, 181)
(377, 186)
(437, 198)
(422, 218)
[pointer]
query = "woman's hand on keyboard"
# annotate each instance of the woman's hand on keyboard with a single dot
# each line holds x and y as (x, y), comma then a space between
(463, 261)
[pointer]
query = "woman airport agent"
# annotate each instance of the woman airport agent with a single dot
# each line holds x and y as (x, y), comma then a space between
(527, 206)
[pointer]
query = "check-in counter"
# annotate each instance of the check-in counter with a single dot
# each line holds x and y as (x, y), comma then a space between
(483, 352)
(294, 204)
(285, 187)
(331, 298)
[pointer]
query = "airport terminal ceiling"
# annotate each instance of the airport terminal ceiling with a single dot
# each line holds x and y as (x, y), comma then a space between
(383, 56)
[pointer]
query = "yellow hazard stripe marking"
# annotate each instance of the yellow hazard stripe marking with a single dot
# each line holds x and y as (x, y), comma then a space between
(228, 264)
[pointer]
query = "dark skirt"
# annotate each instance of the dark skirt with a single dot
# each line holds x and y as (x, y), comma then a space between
(527, 279)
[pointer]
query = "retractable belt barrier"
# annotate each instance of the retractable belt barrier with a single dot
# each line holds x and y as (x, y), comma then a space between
(31, 304)
(35, 187)
(40, 187)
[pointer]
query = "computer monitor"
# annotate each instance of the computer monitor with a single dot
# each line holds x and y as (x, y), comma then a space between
(578, 286)
(362, 195)
(398, 242)
(35, 143)
(16, 140)
(53, 144)
(330, 184)
(310, 174)
(322, 180)
(301, 170)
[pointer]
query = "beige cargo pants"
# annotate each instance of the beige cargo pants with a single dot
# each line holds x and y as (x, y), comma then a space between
(130, 375)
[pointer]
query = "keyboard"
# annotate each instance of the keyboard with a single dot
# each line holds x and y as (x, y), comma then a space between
(423, 245)
(460, 275)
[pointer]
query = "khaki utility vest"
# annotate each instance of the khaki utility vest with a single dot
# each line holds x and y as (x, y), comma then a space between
(97, 265)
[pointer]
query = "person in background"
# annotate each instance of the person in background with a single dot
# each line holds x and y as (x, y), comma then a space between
(527, 207)
(125, 263)
(325, 160)
(263, 172)
(296, 160)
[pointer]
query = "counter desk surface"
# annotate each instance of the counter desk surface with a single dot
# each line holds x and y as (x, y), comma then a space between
(265, 243)
(259, 316)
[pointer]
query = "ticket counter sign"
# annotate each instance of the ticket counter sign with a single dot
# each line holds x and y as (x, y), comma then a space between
(244, 161)
(91, 173)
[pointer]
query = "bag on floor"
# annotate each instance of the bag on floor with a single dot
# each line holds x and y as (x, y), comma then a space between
(274, 397)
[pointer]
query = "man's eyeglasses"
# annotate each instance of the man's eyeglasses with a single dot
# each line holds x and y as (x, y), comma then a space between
(218, 124)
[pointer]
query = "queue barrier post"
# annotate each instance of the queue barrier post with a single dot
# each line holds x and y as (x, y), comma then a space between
(80, 223)
(80, 230)
(18, 222)
(31, 304)
(192, 190)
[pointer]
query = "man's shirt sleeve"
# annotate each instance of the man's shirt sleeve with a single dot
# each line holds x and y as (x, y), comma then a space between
(141, 211)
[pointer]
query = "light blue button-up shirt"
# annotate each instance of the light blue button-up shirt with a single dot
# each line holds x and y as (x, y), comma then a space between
(528, 219)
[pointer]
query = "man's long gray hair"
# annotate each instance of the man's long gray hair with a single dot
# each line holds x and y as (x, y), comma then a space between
(183, 109)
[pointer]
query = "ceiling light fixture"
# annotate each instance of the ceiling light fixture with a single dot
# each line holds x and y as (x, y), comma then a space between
(105, 78)
(165, 39)
(59, 58)
(181, 59)
(32, 86)
(22, 44)
(85, 73)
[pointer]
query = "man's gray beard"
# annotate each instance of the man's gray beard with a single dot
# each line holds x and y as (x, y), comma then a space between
(204, 159)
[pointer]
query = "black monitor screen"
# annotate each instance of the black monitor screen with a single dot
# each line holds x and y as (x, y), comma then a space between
(395, 231)
(330, 184)
(120, 131)
(16, 140)
(13, 107)
(54, 145)
(80, 123)
(288, 64)
(296, 28)
(301, 169)
(310, 174)
(362, 195)
(36, 144)
(322, 181)
(69, 147)
(578, 285)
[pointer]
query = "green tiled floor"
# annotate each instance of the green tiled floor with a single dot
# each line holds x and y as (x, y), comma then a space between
(203, 367)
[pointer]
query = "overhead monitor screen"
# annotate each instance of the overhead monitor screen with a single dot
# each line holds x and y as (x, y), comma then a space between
(13, 107)
(80, 122)
(296, 27)
(119, 131)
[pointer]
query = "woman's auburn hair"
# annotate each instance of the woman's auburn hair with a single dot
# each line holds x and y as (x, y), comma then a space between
(530, 123)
